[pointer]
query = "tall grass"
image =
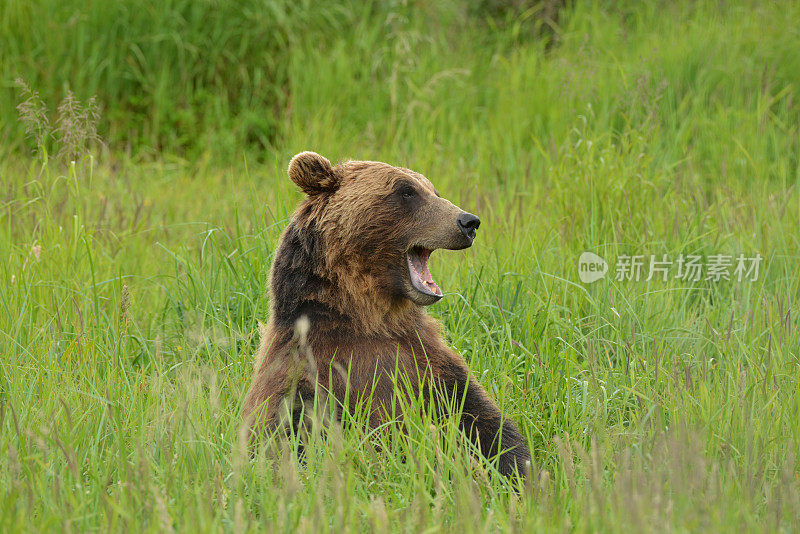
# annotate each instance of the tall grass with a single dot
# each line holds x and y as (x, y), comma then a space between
(132, 289)
(180, 75)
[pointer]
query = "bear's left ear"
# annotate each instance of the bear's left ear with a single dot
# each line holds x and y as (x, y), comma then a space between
(313, 173)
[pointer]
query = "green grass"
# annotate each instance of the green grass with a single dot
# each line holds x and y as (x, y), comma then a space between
(131, 286)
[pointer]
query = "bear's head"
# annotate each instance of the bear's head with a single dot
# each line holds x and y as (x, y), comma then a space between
(376, 225)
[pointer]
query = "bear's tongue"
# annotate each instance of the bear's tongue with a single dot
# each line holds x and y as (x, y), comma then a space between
(421, 277)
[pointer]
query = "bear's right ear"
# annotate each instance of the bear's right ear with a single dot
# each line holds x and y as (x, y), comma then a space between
(313, 173)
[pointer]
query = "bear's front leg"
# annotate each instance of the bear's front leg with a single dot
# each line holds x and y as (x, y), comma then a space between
(495, 436)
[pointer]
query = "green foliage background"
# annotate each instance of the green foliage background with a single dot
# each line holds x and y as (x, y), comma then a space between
(136, 270)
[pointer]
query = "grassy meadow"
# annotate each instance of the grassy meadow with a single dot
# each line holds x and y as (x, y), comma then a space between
(137, 231)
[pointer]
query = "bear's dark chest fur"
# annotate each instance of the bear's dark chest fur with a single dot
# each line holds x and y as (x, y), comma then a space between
(297, 282)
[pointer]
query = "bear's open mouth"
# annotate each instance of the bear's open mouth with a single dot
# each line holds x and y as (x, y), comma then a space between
(418, 271)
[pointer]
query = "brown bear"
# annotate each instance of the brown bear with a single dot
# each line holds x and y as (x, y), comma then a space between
(349, 282)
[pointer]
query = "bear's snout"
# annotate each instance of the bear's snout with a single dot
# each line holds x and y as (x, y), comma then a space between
(468, 223)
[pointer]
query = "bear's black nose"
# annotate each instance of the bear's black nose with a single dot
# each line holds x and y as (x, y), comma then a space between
(468, 223)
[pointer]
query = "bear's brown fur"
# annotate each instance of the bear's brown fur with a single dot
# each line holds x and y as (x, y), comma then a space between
(352, 266)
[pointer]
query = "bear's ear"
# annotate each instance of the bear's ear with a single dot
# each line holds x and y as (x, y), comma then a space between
(313, 173)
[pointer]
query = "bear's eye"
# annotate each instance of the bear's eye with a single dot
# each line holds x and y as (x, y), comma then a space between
(408, 192)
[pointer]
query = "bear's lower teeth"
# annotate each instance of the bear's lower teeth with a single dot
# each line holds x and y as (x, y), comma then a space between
(421, 278)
